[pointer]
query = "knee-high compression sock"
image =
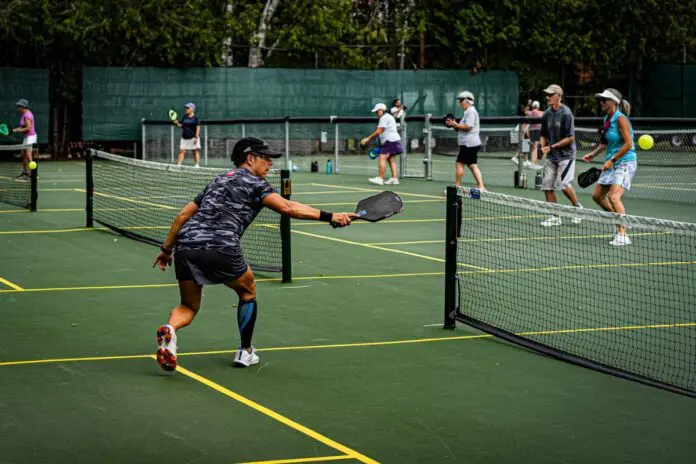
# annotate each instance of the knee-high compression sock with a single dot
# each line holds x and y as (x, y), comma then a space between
(246, 319)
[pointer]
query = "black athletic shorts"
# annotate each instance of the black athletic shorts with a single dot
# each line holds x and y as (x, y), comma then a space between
(535, 135)
(209, 267)
(468, 155)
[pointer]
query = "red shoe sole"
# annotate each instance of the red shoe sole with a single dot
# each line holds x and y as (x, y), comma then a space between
(166, 359)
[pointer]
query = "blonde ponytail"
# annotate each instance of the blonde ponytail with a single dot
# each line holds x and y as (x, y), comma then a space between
(625, 107)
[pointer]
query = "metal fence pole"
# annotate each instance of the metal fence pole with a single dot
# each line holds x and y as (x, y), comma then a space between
(143, 138)
(171, 144)
(287, 145)
(428, 161)
(337, 166)
(205, 145)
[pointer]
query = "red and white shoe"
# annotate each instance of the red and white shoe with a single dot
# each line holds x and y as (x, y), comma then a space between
(166, 351)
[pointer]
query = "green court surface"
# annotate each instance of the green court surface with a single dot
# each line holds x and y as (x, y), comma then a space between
(355, 365)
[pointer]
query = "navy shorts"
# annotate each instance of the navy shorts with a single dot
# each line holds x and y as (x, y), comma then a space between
(209, 267)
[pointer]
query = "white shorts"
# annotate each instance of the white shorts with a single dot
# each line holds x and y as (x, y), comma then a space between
(190, 144)
(29, 140)
(619, 175)
(558, 175)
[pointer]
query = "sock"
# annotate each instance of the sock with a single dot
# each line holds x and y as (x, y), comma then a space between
(246, 319)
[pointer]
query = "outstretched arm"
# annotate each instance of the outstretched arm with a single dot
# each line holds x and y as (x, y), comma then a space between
(301, 211)
(165, 256)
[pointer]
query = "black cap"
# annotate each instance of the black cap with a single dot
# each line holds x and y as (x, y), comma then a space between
(252, 145)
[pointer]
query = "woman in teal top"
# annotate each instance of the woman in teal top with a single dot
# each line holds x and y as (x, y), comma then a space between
(620, 162)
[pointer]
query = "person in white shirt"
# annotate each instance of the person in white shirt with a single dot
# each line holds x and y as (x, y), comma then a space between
(390, 145)
(468, 140)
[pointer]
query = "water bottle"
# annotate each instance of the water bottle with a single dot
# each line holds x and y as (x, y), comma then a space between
(537, 180)
(329, 167)
(524, 180)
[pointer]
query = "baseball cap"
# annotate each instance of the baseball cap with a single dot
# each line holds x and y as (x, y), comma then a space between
(466, 95)
(252, 145)
(535, 104)
(379, 106)
(610, 94)
(553, 89)
(190, 105)
(23, 103)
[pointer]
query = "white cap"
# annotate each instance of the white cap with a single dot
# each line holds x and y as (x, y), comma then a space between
(379, 106)
(609, 95)
(535, 104)
(553, 89)
(466, 95)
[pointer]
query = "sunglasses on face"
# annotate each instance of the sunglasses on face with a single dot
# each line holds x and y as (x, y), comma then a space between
(603, 100)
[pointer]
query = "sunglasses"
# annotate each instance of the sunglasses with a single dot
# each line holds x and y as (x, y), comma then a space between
(266, 158)
(603, 100)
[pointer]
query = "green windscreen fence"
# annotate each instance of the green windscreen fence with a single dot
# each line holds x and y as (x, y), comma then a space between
(32, 85)
(115, 100)
(669, 90)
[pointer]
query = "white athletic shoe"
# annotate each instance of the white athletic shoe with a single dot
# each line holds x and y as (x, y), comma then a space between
(376, 180)
(527, 165)
(166, 347)
(537, 167)
(515, 160)
(552, 221)
(577, 220)
(392, 181)
(620, 240)
(245, 359)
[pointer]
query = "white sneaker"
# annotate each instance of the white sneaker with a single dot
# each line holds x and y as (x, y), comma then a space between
(620, 240)
(197, 166)
(527, 165)
(393, 181)
(166, 350)
(577, 220)
(536, 167)
(552, 221)
(376, 180)
(515, 160)
(245, 359)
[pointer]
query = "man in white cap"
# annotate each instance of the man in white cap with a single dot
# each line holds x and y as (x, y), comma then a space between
(558, 145)
(390, 145)
(468, 139)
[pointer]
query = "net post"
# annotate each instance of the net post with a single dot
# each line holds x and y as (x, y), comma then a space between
(89, 182)
(452, 216)
(143, 138)
(286, 191)
(428, 161)
(287, 143)
(34, 189)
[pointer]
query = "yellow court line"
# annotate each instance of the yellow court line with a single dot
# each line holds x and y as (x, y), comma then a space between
(388, 221)
(340, 457)
(515, 239)
(577, 266)
(139, 202)
(61, 190)
(359, 189)
(14, 287)
(270, 279)
(360, 344)
(407, 202)
(375, 247)
(274, 415)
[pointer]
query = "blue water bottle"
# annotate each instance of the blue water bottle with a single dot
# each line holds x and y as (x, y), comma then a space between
(329, 167)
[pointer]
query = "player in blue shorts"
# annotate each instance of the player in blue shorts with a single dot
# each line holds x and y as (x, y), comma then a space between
(205, 239)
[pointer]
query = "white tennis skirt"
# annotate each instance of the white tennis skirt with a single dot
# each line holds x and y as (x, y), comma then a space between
(30, 140)
(190, 144)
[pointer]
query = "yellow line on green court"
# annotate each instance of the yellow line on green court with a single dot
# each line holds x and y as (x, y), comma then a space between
(407, 202)
(139, 202)
(14, 287)
(360, 189)
(375, 247)
(61, 190)
(388, 221)
(274, 415)
(516, 239)
(340, 457)
(675, 325)
(578, 266)
(270, 279)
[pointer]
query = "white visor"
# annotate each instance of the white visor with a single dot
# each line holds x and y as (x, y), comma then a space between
(379, 106)
(608, 95)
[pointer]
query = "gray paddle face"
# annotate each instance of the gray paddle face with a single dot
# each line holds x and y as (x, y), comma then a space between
(380, 206)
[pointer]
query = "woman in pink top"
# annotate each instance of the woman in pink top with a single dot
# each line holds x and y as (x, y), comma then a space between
(535, 134)
(28, 129)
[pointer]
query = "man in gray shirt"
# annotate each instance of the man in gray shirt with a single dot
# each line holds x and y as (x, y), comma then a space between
(558, 145)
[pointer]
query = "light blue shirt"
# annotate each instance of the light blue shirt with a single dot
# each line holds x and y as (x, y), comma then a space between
(615, 142)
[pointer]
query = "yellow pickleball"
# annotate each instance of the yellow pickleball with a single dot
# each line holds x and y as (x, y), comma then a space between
(646, 142)
(32, 165)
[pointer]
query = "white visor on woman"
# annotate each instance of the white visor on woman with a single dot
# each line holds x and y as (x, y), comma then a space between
(379, 106)
(609, 96)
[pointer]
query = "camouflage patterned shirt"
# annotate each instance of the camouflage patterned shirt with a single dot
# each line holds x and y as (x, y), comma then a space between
(226, 207)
